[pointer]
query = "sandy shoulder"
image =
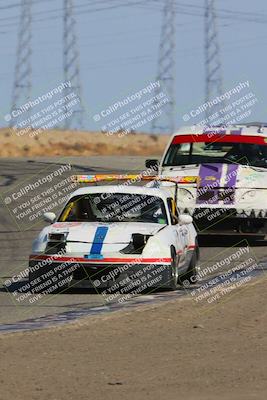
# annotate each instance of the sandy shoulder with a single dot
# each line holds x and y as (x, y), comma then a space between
(178, 350)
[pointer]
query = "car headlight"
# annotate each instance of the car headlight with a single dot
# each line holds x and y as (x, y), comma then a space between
(56, 242)
(185, 195)
(249, 195)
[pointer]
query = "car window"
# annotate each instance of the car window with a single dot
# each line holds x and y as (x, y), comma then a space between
(115, 207)
(216, 152)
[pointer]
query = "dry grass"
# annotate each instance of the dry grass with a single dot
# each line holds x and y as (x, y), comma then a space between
(78, 143)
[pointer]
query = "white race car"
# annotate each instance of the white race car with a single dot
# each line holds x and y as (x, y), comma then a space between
(231, 169)
(105, 233)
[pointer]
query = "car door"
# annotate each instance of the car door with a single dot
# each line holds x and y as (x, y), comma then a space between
(181, 234)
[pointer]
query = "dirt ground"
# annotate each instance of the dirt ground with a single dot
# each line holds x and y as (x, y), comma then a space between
(77, 143)
(176, 350)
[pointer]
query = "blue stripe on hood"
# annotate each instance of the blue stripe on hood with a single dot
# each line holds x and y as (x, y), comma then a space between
(98, 241)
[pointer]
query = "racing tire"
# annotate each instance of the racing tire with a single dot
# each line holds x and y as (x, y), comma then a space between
(190, 277)
(171, 282)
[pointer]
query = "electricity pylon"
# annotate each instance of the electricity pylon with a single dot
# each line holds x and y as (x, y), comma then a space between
(165, 122)
(214, 85)
(22, 83)
(71, 67)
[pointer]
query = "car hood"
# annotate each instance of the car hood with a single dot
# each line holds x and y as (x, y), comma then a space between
(91, 232)
(225, 175)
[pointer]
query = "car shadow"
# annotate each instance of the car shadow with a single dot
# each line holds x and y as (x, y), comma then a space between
(235, 240)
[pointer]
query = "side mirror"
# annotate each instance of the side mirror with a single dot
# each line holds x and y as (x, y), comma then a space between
(152, 164)
(49, 217)
(185, 219)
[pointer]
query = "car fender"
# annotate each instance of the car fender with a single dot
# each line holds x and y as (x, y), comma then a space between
(159, 244)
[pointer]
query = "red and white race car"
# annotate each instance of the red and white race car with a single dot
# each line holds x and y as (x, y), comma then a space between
(230, 194)
(105, 233)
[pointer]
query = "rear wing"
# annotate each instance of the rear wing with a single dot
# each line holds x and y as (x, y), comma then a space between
(134, 178)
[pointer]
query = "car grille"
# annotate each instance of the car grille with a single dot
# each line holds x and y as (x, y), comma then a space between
(226, 195)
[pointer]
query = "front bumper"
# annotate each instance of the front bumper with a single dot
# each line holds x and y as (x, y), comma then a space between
(230, 220)
(79, 272)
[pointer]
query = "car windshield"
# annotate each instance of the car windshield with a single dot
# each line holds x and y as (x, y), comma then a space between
(115, 207)
(199, 152)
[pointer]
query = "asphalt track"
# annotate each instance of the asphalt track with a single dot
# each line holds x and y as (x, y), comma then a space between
(16, 239)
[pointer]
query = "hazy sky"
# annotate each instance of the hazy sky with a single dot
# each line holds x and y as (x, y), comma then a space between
(119, 50)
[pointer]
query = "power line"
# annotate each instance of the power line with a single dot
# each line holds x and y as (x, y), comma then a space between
(193, 10)
(148, 4)
(80, 6)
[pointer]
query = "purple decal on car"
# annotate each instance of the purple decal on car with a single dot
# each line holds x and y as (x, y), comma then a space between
(210, 176)
(230, 184)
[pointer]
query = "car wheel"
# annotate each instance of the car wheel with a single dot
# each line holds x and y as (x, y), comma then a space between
(191, 274)
(172, 276)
